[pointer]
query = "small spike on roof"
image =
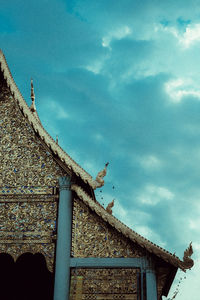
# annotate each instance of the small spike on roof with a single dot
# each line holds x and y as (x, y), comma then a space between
(32, 107)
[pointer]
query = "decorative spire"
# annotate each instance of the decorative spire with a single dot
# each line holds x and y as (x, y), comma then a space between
(32, 107)
(56, 139)
(100, 175)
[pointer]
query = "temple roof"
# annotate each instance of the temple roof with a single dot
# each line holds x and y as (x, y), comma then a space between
(33, 119)
(37, 126)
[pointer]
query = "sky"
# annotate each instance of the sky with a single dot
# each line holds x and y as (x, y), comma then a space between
(119, 82)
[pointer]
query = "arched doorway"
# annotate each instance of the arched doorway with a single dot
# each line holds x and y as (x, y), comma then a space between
(26, 279)
(7, 277)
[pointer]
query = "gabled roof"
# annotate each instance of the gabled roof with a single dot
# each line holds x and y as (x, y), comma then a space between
(35, 122)
(74, 167)
(187, 262)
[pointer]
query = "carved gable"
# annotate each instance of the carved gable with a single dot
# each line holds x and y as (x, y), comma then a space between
(93, 237)
(23, 159)
(28, 177)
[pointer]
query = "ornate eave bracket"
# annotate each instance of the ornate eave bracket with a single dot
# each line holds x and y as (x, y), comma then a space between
(99, 182)
(187, 262)
(16, 249)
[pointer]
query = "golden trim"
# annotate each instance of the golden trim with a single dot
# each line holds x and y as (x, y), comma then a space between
(5, 200)
(45, 241)
(31, 233)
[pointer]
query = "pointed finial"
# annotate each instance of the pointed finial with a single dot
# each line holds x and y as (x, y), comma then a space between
(187, 262)
(100, 175)
(32, 107)
(56, 139)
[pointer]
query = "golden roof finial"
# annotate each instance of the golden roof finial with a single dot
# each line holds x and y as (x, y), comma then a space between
(32, 107)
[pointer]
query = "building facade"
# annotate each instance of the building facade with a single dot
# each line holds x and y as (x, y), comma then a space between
(49, 210)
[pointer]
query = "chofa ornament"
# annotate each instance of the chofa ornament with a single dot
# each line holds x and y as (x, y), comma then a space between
(187, 260)
(99, 179)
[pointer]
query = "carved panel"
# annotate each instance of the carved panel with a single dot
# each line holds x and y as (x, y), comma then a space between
(23, 159)
(92, 237)
(28, 216)
(103, 284)
(28, 177)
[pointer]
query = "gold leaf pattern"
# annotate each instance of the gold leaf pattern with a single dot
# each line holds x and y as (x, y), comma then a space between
(93, 237)
(28, 176)
(103, 284)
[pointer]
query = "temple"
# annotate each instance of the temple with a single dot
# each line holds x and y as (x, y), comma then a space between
(56, 241)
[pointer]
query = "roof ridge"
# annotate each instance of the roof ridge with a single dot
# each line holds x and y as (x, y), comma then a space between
(38, 127)
(128, 232)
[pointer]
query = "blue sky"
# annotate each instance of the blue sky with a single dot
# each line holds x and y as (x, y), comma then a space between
(119, 81)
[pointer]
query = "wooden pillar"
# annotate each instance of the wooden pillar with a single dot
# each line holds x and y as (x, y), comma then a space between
(63, 247)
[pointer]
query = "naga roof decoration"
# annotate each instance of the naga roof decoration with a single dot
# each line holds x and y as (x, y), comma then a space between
(187, 262)
(32, 116)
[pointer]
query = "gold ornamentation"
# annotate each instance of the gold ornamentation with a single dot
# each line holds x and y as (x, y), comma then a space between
(104, 284)
(28, 216)
(37, 126)
(28, 207)
(24, 161)
(93, 237)
(29, 198)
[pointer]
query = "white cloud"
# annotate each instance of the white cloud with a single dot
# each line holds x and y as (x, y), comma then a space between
(194, 224)
(187, 284)
(90, 167)
(57, 109)
(190, 36)
(117, 34)
(153, 194)
(178, 88)
(96, 66)
(150, 162)
(186, 39)
(98, 137)
(150, 235)
(130, 217)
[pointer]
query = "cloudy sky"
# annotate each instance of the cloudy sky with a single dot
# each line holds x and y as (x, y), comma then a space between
(119, 81)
